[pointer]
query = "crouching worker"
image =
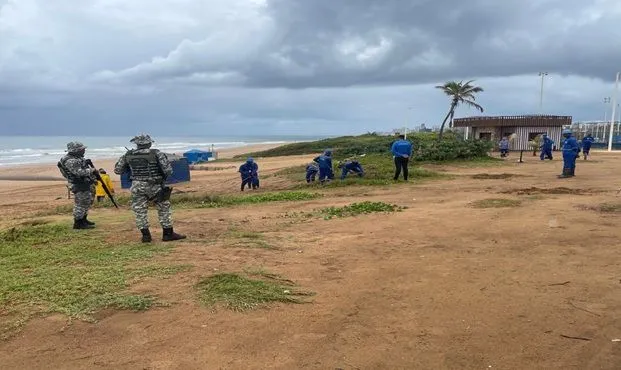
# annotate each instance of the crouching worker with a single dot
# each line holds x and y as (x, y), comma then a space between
(311, 172)
(350, 165)
(325, 166)
(149, 170)
(546, 148)
(249, 172)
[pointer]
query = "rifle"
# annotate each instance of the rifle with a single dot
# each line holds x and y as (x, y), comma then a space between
(103, 184)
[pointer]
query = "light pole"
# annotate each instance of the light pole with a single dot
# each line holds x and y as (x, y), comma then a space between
(614, 106)
(542, 75)
(606, 101)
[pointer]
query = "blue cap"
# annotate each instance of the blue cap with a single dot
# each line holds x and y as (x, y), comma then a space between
(566, 132)
(249, 160)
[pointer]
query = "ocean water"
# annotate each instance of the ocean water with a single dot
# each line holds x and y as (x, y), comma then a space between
(20, 150)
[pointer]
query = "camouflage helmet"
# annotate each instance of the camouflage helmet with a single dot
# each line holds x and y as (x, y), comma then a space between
(75, 146)
(142, 140)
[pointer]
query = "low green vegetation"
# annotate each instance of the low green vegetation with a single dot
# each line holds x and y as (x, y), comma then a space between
(378, 168)
(496, 203)
(426, 147)
(241, 293)
(248, 239)
(52, 268)
(207, 200)
(356, 209)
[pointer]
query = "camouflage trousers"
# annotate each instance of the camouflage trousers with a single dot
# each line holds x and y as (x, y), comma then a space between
(143, 192)
(82, 202)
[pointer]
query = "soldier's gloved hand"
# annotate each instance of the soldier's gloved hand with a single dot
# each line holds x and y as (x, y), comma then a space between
(93, 171)
(89, 162)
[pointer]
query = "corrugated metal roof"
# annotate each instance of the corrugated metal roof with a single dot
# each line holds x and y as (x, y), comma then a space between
(513, 121)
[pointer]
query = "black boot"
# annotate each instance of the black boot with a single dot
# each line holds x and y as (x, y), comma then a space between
(572, 172)
(80, 224)
(169, 235)
(87, 221)
(566, 173)
(146, 235)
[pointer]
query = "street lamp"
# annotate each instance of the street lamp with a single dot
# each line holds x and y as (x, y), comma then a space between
(542, 75)
(606, 101)
(614, 106)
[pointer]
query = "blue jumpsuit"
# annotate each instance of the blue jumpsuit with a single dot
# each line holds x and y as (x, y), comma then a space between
(571, 150)
(586, 145)
(250, 175)
(546, 148)
(325, 167)
(504, 147)
(351, 166)
(311, 172)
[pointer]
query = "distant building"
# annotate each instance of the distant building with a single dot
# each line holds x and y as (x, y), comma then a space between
(526, 128)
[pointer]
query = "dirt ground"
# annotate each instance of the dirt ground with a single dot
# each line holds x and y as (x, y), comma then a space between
(441, 285)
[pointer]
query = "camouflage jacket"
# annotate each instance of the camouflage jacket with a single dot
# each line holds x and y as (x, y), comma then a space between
(77, 169)
(122, 166)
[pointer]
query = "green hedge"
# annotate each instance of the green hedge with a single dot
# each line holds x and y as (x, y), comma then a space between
(426, 147)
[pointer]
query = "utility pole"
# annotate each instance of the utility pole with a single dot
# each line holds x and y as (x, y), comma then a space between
(614, 107)
(542, 75)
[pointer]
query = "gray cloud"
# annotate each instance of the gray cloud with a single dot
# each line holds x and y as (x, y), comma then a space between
(285, 66)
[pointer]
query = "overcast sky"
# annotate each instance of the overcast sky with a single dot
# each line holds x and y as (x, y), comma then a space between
(245, 67)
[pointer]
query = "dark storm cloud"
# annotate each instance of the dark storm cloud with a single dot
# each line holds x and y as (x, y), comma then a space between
(385, 42)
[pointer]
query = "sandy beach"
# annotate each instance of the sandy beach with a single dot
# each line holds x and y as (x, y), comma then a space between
(442, 284)
(29, 185)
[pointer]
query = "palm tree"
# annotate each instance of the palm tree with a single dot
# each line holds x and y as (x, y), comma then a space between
(459, 92)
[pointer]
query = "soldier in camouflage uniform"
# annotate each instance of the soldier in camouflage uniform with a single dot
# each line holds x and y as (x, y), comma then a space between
(149, 170)
(81, 177)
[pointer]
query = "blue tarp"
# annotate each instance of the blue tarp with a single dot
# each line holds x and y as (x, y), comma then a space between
(181, 172)
(196, 156)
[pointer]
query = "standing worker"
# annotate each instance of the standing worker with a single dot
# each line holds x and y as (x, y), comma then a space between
(504, 147)
(586, 145)
(249, 174)
(149, 170)
(546, 147)
(99, 190)
(401, 151)
(81, 177)
(325, 166)
(571, 151)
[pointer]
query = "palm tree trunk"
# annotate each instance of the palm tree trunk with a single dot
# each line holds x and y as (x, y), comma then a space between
(451, 111)
(451, 119)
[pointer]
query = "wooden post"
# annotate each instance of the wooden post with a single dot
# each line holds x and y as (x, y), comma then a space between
(521, 153)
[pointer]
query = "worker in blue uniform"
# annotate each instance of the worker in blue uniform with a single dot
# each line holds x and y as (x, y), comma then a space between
(311, 172)
(249, 174)
(350, 165)
(325, 166)
(546, 148)
(586, 145)
(504, 147)
(571, 151)
(401, 152)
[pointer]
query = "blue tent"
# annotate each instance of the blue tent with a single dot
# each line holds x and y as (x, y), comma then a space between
(181, 172)
(196, 156)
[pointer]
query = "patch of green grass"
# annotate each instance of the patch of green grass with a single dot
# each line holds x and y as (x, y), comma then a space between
(247, 239)
(207, 201)
(358, 209)
(52, 268)
(241, 293)
(379, 171)
(604, 208)
(496, 203)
